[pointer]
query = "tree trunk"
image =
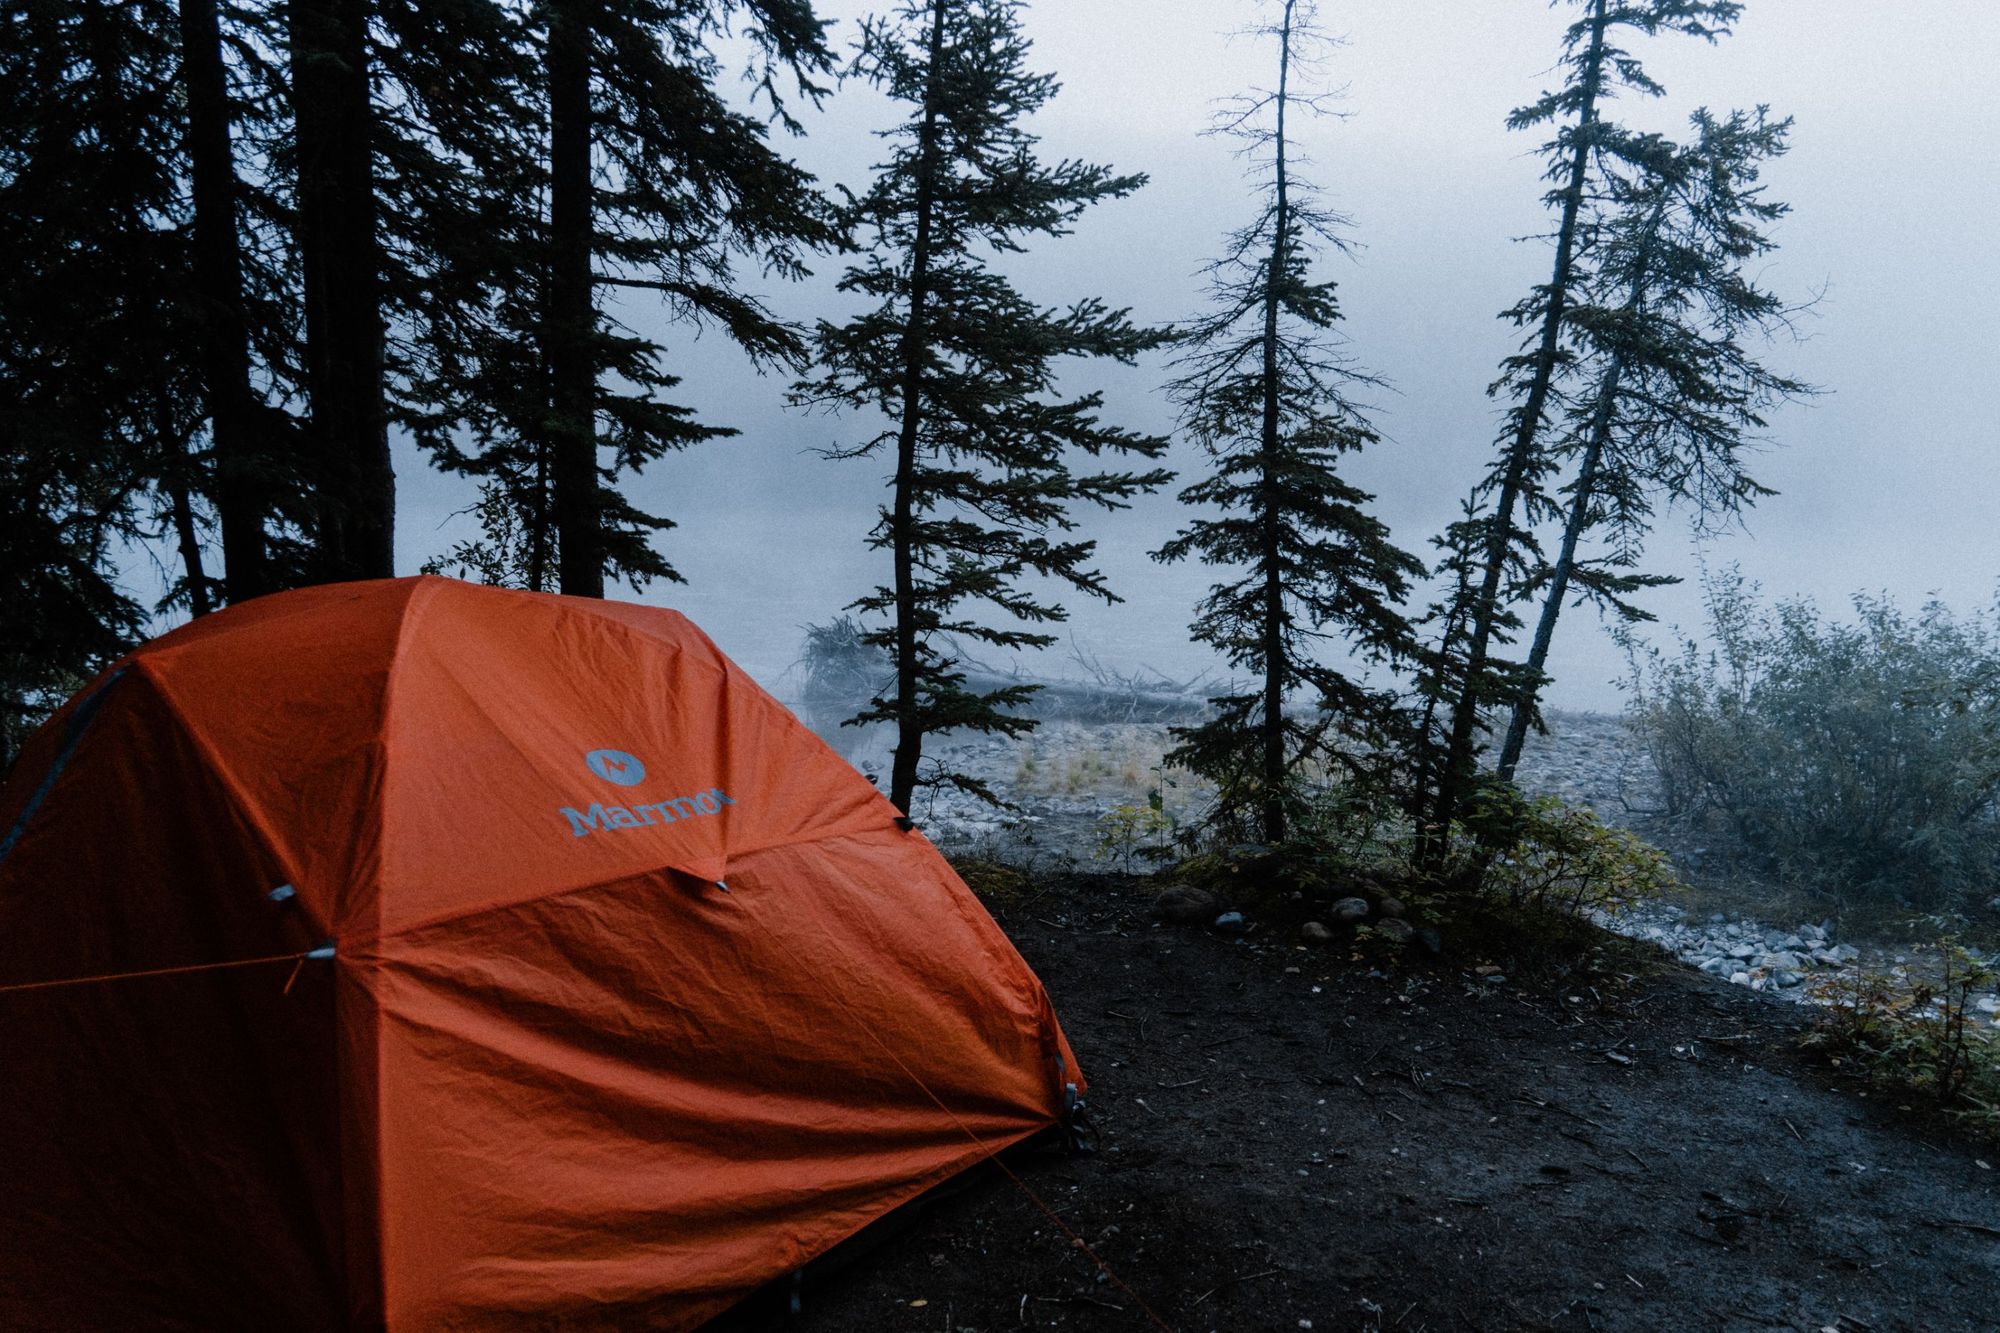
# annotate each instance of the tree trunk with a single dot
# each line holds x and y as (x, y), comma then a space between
(1457, 774)
(1602, 416)
(572, 310)
(224, 351)
(1272, 722)
(1545, 627)
(343, 283)
(909, 726)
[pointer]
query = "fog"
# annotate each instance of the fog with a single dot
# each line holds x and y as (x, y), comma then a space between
(1886, 481)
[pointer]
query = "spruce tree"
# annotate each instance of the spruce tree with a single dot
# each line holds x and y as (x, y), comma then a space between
(961, 368)
(1595, 68)
(1263, 389)
(1673, 397)
(92, 397)
(625, 176)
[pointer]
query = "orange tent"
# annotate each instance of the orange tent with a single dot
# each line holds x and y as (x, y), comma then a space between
(613, 992)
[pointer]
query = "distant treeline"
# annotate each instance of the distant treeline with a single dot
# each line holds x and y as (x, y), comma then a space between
(248, 241)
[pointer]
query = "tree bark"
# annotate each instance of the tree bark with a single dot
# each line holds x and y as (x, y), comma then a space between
(343, 287)
(1465, 714)
(221, 327)
(1270, 521)
(1603, 414)
(1559, 575)
(572, 308)
(909, 726)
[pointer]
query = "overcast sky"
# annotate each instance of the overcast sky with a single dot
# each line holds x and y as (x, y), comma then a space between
(1888, 481)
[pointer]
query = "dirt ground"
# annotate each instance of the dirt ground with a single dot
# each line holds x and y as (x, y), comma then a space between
(1297, 1140)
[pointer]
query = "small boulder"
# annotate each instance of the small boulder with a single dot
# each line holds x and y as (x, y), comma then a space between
(1185, 905)
(1349, 911)
(1231, 923)
(1395, 930)
(1392, 907)
(1313, 932)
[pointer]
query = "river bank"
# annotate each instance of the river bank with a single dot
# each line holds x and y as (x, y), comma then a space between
(1083, 794)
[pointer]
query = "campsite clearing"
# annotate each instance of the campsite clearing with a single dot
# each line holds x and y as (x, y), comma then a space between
(1328, 1148)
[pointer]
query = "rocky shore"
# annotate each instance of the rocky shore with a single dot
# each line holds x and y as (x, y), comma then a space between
(1095, 796)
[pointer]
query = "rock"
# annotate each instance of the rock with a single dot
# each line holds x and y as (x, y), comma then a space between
(1717, 966)
(1348, 911)
(1739, 978)
(1432, 942)
(1847, 953)
(1395, 930)
(1717, 919)
(1392, 907)
(1827, 958)
(1783, 962)
(1185, 905)
(1742, 952)
(1789, 979)
(1231, 923)
(1313, 932)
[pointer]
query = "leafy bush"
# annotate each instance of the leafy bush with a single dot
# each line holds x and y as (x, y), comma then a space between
(1549, 855)
(1917, 1034)
(1859, 760)
(1129, 828)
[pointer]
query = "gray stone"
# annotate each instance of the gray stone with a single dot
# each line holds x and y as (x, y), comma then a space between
(1788, 979)
(1185, 905)
(1739, 978)
(1347, 911)
(1395, 930)
(1717, 966)
(1314, 932)
(1742, 952)
(1392, 907)
(1783, 961)
(1847, 952)
(1231, 923)
(1826, 958)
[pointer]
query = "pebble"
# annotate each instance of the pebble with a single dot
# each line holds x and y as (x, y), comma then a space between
(1230, 923)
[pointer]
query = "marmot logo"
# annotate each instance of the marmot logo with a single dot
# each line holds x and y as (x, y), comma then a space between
(616, 766)
(639, 816)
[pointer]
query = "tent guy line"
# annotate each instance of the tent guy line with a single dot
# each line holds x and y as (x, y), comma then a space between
(323, 951)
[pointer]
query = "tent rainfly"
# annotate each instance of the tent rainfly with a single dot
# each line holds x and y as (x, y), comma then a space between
(573, 983)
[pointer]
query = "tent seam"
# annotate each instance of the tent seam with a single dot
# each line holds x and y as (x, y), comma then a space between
(486, 909)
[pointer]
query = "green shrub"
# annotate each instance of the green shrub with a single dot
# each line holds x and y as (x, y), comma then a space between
(1917, 1034)
(1859, 760)
(1548, 855)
